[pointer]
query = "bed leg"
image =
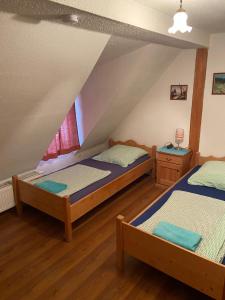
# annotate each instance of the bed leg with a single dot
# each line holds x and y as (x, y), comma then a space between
(68, 231)
(119, 243)
(223, 293)
(19, 204)
(154, 172)
(67, 222)
(222, 296)
(154, 148)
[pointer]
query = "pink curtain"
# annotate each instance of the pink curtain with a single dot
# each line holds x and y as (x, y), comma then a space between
(66, 139)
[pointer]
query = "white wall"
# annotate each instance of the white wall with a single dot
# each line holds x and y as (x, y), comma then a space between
(155, 118)
(43, 68)
(66, 160)
(114, 88)
(213, 121)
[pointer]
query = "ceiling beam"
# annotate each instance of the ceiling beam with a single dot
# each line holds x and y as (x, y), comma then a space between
(133, 13)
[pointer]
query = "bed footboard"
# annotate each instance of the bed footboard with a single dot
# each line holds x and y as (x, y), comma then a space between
(53, 205)
(191, 269)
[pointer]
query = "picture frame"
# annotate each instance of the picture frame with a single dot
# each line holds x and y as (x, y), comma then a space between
(218, 86)
(178, 92)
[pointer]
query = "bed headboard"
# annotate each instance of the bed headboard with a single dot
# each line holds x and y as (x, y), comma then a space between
(150, 150)
(200, 160)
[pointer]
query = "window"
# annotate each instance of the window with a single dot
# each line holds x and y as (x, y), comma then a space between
(66, 139)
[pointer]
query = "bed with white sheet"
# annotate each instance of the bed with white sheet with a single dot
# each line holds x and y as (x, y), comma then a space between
(196, 208)
(87, 184)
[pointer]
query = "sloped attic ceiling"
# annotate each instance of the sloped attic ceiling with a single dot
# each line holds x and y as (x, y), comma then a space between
(41, 74)
(116, 85)
(118, 46)
(44, 65)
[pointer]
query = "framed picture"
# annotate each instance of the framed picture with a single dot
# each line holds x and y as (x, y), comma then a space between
(218, 87)
(178, 92)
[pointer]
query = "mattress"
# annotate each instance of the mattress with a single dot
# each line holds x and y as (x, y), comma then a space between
(115, 170)
(76, 178)
(182, 185)
(195, 213)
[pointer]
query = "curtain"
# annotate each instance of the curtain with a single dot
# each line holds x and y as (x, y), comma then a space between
(66, 139)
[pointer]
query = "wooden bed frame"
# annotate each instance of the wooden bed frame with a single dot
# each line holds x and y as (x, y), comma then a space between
(62, 209)
(184, 265)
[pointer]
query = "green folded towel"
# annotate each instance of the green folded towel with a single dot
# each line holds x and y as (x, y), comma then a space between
(52, 186)
(177, 235)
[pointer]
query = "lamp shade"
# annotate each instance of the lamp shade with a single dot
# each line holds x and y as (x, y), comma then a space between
(180, 23)
(179, 137)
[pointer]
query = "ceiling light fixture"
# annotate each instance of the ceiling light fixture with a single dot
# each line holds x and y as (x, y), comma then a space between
(180, 21)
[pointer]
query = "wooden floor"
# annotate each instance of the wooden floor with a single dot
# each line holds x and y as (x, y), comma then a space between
(36, 264)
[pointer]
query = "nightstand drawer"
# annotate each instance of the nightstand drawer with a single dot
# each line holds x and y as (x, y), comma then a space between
(178, 160)
(168, 173)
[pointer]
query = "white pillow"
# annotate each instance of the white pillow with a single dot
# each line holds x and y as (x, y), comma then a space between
(211, 174)
(121, 155)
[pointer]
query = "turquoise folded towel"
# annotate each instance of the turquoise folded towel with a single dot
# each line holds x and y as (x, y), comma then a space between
(177, 235)
(52, 186)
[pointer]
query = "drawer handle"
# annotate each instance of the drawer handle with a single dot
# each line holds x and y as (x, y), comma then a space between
(168, 159)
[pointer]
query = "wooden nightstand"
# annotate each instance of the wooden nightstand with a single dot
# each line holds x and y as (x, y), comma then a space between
(171, 164)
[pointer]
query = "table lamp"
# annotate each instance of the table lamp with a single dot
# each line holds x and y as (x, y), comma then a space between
(179, 137)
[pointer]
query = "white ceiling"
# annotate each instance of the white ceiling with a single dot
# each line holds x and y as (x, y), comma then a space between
(118, 46)
(207, 15)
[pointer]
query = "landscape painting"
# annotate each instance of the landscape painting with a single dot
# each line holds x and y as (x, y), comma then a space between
(218, 84)
(178, 92)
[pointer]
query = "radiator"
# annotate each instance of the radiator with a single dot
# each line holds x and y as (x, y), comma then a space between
(6, 189)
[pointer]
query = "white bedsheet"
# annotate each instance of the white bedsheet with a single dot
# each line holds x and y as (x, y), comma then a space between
(201, 214)
(76, 177)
